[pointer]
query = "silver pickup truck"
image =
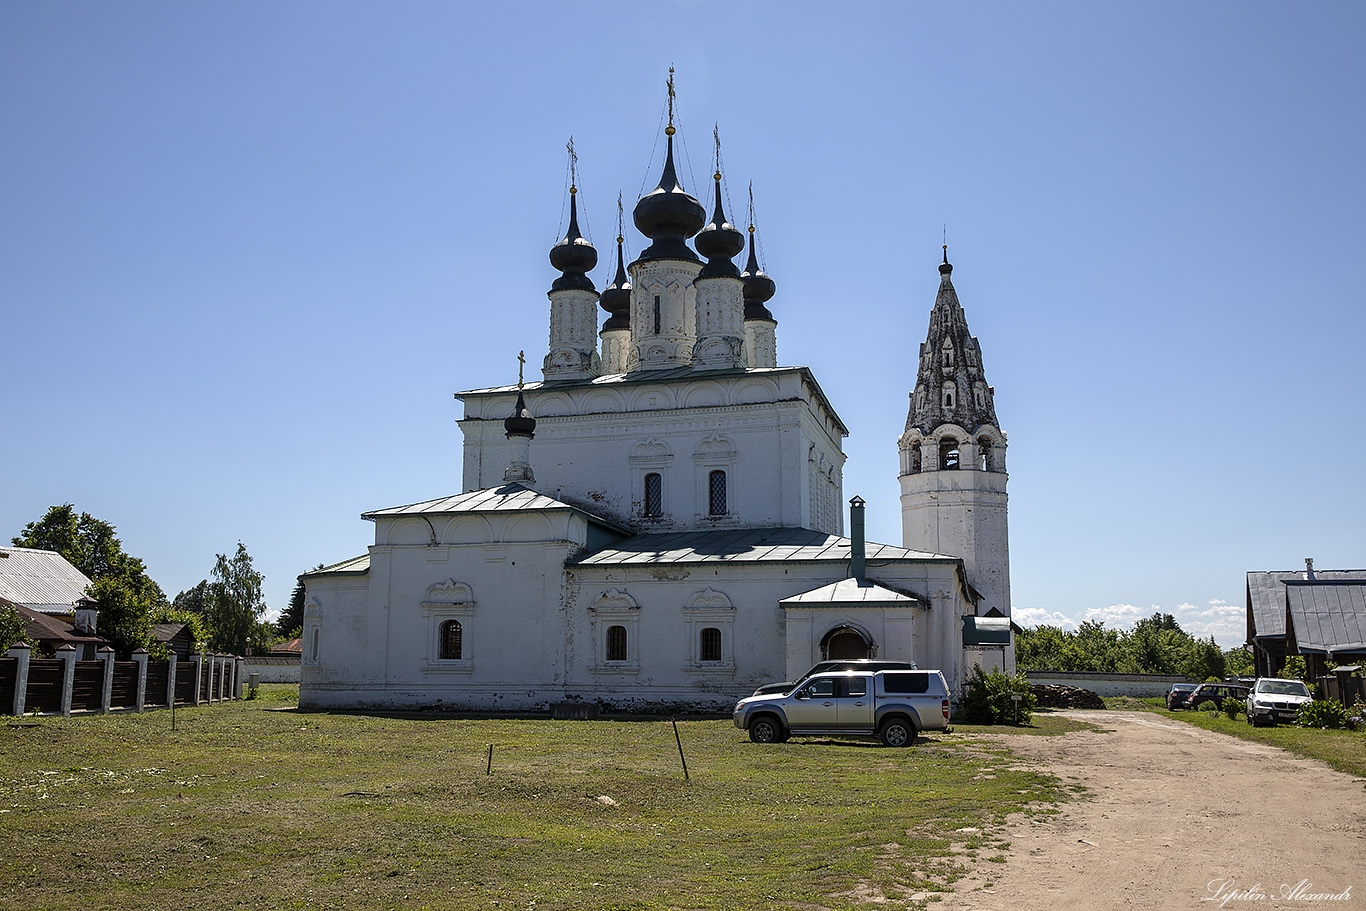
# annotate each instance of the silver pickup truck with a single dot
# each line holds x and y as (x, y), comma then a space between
(891, 705)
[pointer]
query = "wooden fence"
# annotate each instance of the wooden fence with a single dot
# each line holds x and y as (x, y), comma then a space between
(63, 685)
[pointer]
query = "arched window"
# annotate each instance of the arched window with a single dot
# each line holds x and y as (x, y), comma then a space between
(709, 646)
(984, 454)
(452, 640)
(616, 643)
(314, 649)
(915, 458)
(654, 494)
(948, 453)
(716, 493)
(657, 315)
(949, 394)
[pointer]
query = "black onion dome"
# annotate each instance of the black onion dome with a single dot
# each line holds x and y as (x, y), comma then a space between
(944, 267)
(520, 422)
(574, 255)
(616, 297)
(669, 215)
(758, 286)
(719, 241)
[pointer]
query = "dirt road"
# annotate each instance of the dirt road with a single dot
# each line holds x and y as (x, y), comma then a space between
(1179, 817)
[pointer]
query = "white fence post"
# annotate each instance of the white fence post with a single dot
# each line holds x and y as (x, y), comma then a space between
(170, 679)
(106, 654)
(140, 656)
(237, 677)
(22, 652)
(67, 653)
(198, 659)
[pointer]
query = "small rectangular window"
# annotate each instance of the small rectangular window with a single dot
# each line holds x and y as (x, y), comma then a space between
(657, 315)
(710, 645)
(909, 682)
(716, 484)
(654, 494)
(616, 643)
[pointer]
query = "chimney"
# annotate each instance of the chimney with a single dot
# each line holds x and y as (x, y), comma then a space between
(84, 618)
(1309, 568)
(856, 539)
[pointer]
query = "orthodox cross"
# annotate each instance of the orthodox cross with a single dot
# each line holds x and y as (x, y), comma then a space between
(521, 362)
(671, 99)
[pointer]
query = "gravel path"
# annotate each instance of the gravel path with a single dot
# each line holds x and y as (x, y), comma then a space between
(1178, 817)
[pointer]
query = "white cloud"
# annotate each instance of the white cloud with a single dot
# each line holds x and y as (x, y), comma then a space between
(1039, 616)
(1119, 616)
(1226, 622)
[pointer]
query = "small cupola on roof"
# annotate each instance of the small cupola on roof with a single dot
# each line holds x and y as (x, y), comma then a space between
(574, 256)
(616, 297)
(668, 214)
(759, 288)
(719, 241)
(573, 350)
(520, 428)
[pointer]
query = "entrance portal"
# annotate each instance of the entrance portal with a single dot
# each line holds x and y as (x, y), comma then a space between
(845, 643)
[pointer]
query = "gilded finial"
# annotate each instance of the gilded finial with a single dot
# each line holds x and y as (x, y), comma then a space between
(521, 362)
(669, 130)
(946, 252)
(751, 207)
(621, 238)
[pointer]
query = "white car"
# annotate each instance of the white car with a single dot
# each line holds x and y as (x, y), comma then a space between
(1273, 699)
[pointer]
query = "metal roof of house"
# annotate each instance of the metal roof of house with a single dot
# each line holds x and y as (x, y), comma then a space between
(1266, 596)
(749, 545)
(853, 593)
(1328, 616)
(40, 579)
(508, 498)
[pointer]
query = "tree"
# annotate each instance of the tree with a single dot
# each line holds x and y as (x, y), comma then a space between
(12, 627)
(124, 618)
(126, 594)
(237, 605)
(291, 622)
(90, 545)
(1239, 662)
(197, 600)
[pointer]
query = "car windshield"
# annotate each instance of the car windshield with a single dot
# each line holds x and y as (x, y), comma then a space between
(1283, 688)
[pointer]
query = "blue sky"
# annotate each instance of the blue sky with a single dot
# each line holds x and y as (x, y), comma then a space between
(249, 251)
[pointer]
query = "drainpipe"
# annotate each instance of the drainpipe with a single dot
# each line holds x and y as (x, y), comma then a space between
(856, 539)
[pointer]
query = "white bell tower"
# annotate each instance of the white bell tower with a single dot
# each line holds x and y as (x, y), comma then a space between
(953, 456)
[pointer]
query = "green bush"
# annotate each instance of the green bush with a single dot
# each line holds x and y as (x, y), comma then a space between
(987, 699)
(1233, 708)
(1321, 713)
(1207, 705)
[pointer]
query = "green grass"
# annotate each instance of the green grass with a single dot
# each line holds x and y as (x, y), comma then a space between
(252, 804)
(1342, 750)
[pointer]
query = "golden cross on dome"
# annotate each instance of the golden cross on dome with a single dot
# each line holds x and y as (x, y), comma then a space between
(521, 362)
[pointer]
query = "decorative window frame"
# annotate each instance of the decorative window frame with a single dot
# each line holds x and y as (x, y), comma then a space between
(312, 626)
(716, 453)
(449, 600)
(650, 456)
(615, 607)
(709, 608)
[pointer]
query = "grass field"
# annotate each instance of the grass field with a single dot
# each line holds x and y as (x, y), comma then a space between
(253, 804)
(1340, 749)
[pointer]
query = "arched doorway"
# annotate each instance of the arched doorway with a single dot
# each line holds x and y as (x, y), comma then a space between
(845, 642)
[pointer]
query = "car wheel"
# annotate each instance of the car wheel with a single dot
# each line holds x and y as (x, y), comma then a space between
(898, 732)
(766, 729)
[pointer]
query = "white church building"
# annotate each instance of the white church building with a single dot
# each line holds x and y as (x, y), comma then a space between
(658, 523)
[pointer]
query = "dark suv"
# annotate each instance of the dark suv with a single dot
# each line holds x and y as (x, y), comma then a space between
(838, 664)
(1216, 693)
